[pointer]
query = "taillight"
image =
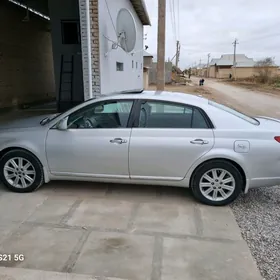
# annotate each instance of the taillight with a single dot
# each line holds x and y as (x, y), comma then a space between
(277, 138)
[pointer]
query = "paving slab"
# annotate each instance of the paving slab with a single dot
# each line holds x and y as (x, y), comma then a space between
(43, 248)
(6, 228)
(200, 260)
(133, 192)
(7, 273)
(219, 222)
(17, 207)
(103, 213)
(172, 195)
(79, 189)
(52, 210)
(171, 218)
(117, 255)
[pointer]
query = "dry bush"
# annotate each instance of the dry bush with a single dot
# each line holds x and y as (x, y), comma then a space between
(264, 70)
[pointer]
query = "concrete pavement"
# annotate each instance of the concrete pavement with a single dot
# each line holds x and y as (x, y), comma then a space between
(116, 232)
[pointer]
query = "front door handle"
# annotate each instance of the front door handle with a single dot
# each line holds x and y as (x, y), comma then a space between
(199, 142)
(118, 141)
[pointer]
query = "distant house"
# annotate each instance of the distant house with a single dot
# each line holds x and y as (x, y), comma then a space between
(201, 70)
(148, 60)
(222, 67)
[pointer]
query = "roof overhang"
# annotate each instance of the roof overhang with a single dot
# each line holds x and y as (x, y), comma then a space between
(141, 10)
(146, 54)
(39, 7)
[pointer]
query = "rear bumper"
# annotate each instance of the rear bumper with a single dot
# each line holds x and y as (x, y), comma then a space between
(261, 182)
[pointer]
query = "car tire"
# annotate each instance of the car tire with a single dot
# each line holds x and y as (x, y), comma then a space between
(220, 193)
(19, 166)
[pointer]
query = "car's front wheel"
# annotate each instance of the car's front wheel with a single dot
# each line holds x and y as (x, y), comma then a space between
(217, 183)
(20, 171)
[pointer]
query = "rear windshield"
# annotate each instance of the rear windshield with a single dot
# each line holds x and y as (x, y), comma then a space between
(234, 112)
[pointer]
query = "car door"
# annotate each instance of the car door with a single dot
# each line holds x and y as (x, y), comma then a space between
(95, 142)
(168, 139)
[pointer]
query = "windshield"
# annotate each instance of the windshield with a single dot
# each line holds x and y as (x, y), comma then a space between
(234, 112)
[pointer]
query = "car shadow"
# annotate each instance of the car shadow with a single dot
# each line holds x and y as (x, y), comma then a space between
(114, 191)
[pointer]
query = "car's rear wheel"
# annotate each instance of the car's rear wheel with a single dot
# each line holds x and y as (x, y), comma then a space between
(217, 183)
(20, 171)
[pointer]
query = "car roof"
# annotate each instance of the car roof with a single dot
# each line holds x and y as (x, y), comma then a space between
(187, 98)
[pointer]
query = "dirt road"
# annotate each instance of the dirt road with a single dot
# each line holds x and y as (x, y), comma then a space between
(245, 100)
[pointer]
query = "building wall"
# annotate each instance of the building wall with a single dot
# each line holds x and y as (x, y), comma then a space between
(66, 10)
(90, 47)
(273, 71)
(131, 78)
(212, 72)
(245, 72)
(146, 78)
(95, 47)
(223, 73)
(26, 64)
(148, 60)
(241, 72)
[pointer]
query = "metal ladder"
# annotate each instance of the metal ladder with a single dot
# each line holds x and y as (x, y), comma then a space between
(66, 80)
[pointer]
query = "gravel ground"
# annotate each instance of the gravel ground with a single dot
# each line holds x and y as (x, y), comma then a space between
(258, 216)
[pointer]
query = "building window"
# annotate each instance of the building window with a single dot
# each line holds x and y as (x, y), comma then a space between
(136, 64)
(70, 32)
(132, 63)
(119, 66)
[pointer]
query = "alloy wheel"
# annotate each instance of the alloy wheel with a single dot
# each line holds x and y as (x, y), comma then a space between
(217, 184)
(19, 172)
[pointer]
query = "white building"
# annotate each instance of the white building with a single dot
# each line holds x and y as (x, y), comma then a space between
(113, 70)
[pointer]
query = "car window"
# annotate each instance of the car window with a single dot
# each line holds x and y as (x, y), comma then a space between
(107, 114)
(234, 112)
(198, 120)
(156, 114)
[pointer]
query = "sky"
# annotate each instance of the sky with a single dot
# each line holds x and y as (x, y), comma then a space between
(211, 26)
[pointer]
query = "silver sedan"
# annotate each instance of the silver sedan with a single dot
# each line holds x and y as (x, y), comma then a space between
(159, 138)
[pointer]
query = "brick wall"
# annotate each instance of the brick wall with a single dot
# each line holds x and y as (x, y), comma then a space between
(94, 17)
(94, 42)
(26, 62)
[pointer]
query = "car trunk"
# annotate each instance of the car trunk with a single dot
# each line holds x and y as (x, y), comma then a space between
(269, 123)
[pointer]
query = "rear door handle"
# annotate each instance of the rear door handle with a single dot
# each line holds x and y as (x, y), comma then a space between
(118, 141)
(199, 142)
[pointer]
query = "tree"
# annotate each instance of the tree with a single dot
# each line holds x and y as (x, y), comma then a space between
(264, 69)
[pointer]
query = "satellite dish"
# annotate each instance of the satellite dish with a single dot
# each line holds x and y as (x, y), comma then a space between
(126, 30)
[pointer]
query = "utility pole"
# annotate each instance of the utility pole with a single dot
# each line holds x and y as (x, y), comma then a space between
(234, 57)
(208, 65)
(177, 53)
(161, 45)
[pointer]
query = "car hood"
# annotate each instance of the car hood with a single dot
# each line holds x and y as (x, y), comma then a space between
(27, 122)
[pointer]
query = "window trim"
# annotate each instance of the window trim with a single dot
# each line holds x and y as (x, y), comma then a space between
(129, 121)
(137, 107)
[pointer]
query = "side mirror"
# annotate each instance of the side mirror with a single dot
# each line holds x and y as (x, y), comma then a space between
(62, 124)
